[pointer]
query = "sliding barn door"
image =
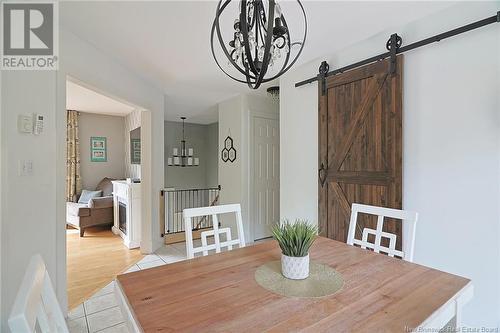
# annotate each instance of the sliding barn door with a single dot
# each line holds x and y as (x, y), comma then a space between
(360, 147)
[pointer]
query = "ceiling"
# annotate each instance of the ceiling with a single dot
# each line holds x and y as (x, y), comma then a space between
(87, 100)
(168, 42)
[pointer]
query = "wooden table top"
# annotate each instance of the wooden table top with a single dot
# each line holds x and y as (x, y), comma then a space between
(218, 293)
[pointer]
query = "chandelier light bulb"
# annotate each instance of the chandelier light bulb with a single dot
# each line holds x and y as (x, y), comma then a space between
(260, 36)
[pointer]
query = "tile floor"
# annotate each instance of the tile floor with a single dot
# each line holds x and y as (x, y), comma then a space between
(101, 313)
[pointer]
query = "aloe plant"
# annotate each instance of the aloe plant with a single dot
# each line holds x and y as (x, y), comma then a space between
(296, 238)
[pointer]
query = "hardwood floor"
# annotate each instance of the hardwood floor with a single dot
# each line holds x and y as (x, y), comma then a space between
(94, 260)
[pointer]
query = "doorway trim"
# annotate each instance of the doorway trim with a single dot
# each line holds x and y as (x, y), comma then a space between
(147, 241)
(251, 189)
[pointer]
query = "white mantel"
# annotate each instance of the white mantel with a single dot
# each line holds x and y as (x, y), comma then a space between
(128, 194)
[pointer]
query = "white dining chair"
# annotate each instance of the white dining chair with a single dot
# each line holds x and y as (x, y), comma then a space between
(36, 308)
(213, 211)
(408, 219)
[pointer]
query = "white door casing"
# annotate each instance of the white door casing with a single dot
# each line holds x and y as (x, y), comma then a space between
(265, 176)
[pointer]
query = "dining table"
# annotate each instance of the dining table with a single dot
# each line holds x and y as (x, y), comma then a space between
(219, 293)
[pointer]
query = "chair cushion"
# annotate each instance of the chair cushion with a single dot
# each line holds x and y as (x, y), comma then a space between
(74, 209)
(105, 186)
(87, 195)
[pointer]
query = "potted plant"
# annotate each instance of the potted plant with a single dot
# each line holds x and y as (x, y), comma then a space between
(295, 239)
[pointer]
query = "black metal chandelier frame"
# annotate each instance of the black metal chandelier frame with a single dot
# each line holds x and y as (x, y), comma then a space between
(184, 154)
(253, 69)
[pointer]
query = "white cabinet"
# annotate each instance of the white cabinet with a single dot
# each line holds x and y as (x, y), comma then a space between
(127, 212)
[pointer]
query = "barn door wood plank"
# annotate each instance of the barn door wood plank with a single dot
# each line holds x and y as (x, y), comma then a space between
(322, 161)
(339, 194)
(360, 145)
(357, 122)
(360, 177)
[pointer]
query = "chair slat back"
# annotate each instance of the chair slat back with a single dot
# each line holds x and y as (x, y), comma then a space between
(36, 306)
(408, 219)
(190, 213)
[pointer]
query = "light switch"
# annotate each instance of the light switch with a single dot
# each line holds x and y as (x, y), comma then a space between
(25, 123)
(25, 167)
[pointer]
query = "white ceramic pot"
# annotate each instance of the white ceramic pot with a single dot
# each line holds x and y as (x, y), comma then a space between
(295, 268)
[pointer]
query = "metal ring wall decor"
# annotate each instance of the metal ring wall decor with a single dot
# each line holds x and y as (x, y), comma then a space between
(261, 33)
(228, 152)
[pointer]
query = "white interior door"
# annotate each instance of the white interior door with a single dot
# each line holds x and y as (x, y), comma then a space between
(266, 180)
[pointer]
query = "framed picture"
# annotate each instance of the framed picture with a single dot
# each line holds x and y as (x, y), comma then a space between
(98, 156)
(98, 149)
(135, 151)
(136, 144)
(98, 142)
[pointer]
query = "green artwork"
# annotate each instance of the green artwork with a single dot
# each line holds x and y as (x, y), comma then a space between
(98, 149)
(135, 151)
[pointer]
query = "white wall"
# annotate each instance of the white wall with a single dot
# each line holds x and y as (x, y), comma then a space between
(234, 119)
(28, 201)
(231, 114)
(212, 155)
(451, 147)
(451, 158)
(299, 145)
(111, 127)
(33, 207)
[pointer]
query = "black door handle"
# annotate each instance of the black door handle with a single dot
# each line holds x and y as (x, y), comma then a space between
(322, 174)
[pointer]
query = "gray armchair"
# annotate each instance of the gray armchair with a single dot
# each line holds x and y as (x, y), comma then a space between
(99, 211)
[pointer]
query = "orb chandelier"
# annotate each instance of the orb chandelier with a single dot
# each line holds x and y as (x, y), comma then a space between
(260, 46)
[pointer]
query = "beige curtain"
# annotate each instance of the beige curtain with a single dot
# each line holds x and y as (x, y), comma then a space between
(73, 180)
